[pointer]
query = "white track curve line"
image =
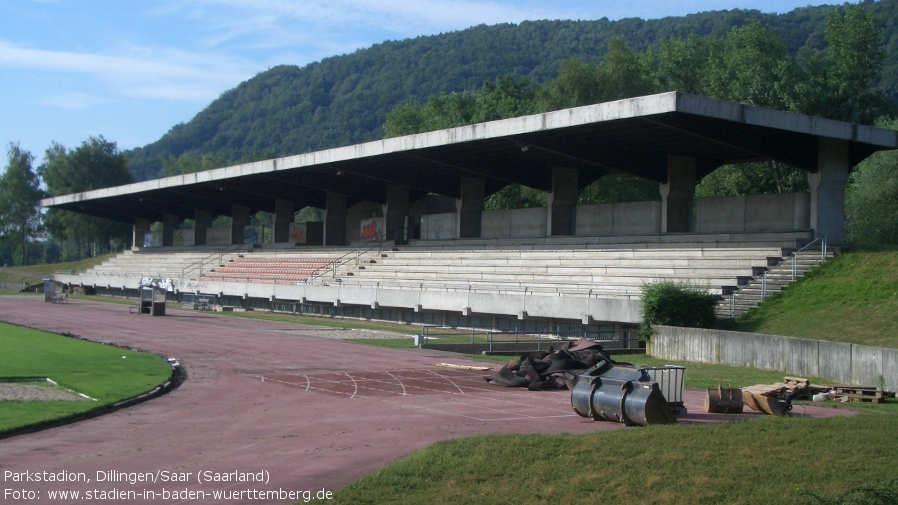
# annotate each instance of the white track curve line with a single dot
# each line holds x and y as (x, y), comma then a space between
(355, 385)
(399, 381)
(460, 390)
(308, 382)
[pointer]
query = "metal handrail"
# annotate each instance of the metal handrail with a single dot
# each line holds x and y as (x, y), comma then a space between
(230, 248)
(346, 258)
(792, 258)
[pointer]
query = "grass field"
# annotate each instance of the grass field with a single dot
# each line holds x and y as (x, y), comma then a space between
(771, 460)
(95, 370)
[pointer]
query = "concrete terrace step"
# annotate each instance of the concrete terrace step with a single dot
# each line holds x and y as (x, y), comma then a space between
(587, 263)
(597, 253)
(788, 239)
(567, 271)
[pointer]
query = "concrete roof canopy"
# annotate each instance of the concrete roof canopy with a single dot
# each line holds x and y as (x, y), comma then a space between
(634, 136)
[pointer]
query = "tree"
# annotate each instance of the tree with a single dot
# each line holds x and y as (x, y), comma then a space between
(753, 66)
(871, 199)
(96, 163)
(20, 196)
(623, 73)
(839, 78)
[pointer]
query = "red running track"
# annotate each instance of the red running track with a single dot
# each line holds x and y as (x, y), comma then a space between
(309, 413)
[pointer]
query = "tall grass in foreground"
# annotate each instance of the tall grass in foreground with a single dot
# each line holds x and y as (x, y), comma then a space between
(106, 373)
(769, 460)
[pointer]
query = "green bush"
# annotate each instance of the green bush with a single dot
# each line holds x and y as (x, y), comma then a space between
(673, 304)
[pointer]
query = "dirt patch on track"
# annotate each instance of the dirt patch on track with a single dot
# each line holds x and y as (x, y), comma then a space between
(35, 391)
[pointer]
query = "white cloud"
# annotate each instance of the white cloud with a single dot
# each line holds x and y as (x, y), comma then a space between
(287, 19)
(174, 92)
(74, 101)
(105, 65)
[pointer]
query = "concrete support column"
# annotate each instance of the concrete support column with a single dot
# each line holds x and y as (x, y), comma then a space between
(562, 202)
(677, 195)
(202, 221)
(395, 212)
(470, 207)
(239, 222)
(828, 190)
(169, 225)
(141, 227)
(283, 216)
(335, 219)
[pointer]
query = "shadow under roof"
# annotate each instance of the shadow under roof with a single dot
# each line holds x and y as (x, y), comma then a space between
(633, 136)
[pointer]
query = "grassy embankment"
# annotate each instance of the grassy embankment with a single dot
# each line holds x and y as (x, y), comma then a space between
(853, 298)
(98, 371)
(33, 274)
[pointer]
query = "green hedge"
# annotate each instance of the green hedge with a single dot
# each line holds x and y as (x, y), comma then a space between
(673, 304)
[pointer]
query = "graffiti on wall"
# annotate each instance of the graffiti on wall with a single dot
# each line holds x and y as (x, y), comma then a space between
(152, 239)
(297, 233)
(372, 229)
(165, 284)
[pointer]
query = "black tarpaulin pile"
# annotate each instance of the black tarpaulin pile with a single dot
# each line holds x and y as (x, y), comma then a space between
(550, 369)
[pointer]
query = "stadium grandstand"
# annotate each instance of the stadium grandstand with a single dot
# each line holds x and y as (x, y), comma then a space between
(405, 237)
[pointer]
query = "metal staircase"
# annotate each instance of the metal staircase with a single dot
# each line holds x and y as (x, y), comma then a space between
(774, 279)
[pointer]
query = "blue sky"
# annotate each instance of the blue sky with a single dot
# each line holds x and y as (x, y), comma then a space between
(131, 70)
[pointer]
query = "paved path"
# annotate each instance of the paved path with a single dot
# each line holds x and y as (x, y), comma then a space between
(309, 413)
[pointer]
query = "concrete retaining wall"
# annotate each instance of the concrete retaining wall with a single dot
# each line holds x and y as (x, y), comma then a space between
(753, 214)
(218, 236)
(12, 286)
(184, 237)
(835, 361)
(631, 218)
(438, 226)
(515, 223)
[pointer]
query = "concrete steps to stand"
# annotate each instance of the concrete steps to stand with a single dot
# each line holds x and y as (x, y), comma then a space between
(770, 282)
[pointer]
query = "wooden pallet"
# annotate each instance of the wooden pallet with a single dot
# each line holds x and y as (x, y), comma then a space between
(860, 393)
(791, 387)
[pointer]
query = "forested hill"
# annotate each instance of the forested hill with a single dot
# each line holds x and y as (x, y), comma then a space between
(344, 99)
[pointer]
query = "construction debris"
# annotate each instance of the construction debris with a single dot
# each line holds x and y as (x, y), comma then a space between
(776, 398)
(845, 393)
(463, 367)
(551, 369)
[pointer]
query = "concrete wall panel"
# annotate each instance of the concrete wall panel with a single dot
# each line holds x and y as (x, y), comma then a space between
(721, 214)
(218, 236)
(867, 364)
(404, 298)
(595, 220)
(529, 222)
(834, 361)
(182, 238)
(438, 226)
(753, 214)
(764, 213)
(495, 224)
(637, 218)
(622, 310)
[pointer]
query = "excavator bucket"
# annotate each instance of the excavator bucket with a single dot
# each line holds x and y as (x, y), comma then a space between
(620, 394)
(766, 404)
